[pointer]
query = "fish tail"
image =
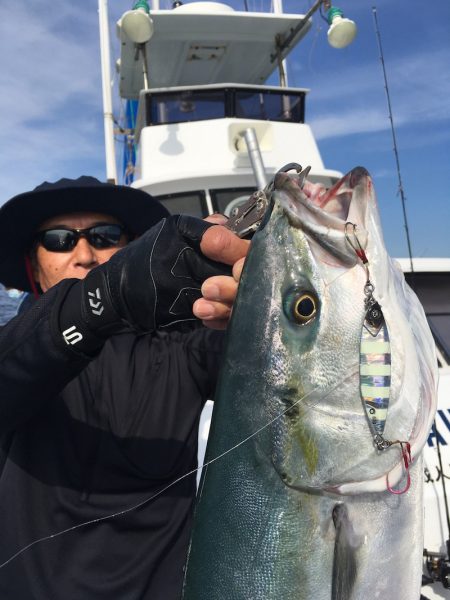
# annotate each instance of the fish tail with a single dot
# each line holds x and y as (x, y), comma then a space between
(344, 560)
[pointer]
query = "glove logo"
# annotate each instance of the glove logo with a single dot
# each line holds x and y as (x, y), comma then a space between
(72, 336)
(96, 306)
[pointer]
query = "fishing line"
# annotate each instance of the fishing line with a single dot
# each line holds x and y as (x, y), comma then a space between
(189, 473)
(147, 500)
(313, 47)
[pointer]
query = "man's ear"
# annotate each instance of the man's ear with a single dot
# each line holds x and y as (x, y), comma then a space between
(32, 268)
(31, 265)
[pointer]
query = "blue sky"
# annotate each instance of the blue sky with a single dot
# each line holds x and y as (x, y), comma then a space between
(51, 103)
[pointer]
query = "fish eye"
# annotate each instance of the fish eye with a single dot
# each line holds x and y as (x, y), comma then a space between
(301, 307)
(304, 308)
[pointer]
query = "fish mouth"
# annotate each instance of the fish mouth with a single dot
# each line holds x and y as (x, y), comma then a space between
(333, 201)
(324, 214)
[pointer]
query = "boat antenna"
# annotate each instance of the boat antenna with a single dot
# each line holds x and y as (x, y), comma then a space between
(400, 184)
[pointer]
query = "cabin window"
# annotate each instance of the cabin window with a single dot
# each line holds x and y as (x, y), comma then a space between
(163, 108)
(194, 203)
(433, 290)
(226, 199)
(185, 106)
(269, 106)
(440, 327)
(185, 203)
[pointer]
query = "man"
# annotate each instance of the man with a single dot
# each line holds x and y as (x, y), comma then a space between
(102, 381)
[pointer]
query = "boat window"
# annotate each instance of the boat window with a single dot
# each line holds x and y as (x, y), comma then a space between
(433, 291)
(440, 327)
(226, 199)
(181, 107)
(202, 104)
(185, 203)
(270, 106)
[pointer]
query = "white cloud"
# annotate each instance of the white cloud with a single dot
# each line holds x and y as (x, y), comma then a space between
(419, 88)
(51, 95)
(346, 123)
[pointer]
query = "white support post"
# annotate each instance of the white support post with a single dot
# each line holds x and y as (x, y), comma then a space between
(108, 120)
(282, 66)
(254, 154)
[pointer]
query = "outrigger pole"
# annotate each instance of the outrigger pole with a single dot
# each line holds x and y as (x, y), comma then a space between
(108, 119)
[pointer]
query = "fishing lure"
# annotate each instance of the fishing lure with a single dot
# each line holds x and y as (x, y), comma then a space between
(375, 364)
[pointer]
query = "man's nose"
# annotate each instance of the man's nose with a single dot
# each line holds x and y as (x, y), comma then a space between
(84, 254)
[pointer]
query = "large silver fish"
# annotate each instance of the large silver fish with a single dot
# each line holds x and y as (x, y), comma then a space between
(301, 498)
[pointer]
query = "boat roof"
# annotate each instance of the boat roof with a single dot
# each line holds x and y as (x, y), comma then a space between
(206, 42)
(425, 265)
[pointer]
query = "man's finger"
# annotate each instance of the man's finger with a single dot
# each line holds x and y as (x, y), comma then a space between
(237, 268)
(217, 219)
(220, 244)
(220, 289)
(211, 311)
(218, 324)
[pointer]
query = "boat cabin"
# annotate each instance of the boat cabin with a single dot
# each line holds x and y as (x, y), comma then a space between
(208, 131)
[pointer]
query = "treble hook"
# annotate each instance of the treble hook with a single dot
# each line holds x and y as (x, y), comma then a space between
(359, 251)
(356, 247)
(407, 460)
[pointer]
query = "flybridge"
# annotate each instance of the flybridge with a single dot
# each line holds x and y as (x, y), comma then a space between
(203, 43)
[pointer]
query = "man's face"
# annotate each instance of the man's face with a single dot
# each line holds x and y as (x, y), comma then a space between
(49, 268)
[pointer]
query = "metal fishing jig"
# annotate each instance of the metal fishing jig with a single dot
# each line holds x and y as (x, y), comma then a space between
(375, 364)
(375, 352)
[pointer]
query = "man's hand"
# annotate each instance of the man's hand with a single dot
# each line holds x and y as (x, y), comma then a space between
(153, 283)
(219, 292)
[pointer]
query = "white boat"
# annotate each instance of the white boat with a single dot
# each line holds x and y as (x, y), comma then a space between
(201, 100)
(431, 281)
(208, 132)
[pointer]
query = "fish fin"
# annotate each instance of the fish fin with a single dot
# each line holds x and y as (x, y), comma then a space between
(344, 560)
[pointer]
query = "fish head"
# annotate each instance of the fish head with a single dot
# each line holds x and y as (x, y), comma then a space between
(314, 305)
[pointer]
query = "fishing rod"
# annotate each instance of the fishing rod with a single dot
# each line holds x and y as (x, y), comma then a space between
(438, 564)
(445, 564)
(394, 139)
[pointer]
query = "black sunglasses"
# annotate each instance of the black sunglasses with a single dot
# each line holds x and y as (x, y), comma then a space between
(64, 239)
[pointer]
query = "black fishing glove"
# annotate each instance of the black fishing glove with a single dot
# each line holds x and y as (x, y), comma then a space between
(151, 283)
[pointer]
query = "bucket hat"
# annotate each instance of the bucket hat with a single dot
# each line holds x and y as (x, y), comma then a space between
(21, 216)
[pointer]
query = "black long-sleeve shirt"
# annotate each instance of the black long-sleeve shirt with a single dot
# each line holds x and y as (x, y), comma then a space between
(85, 438)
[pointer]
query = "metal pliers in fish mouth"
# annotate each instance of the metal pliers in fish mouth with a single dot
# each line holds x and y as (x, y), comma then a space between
(246, 219)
